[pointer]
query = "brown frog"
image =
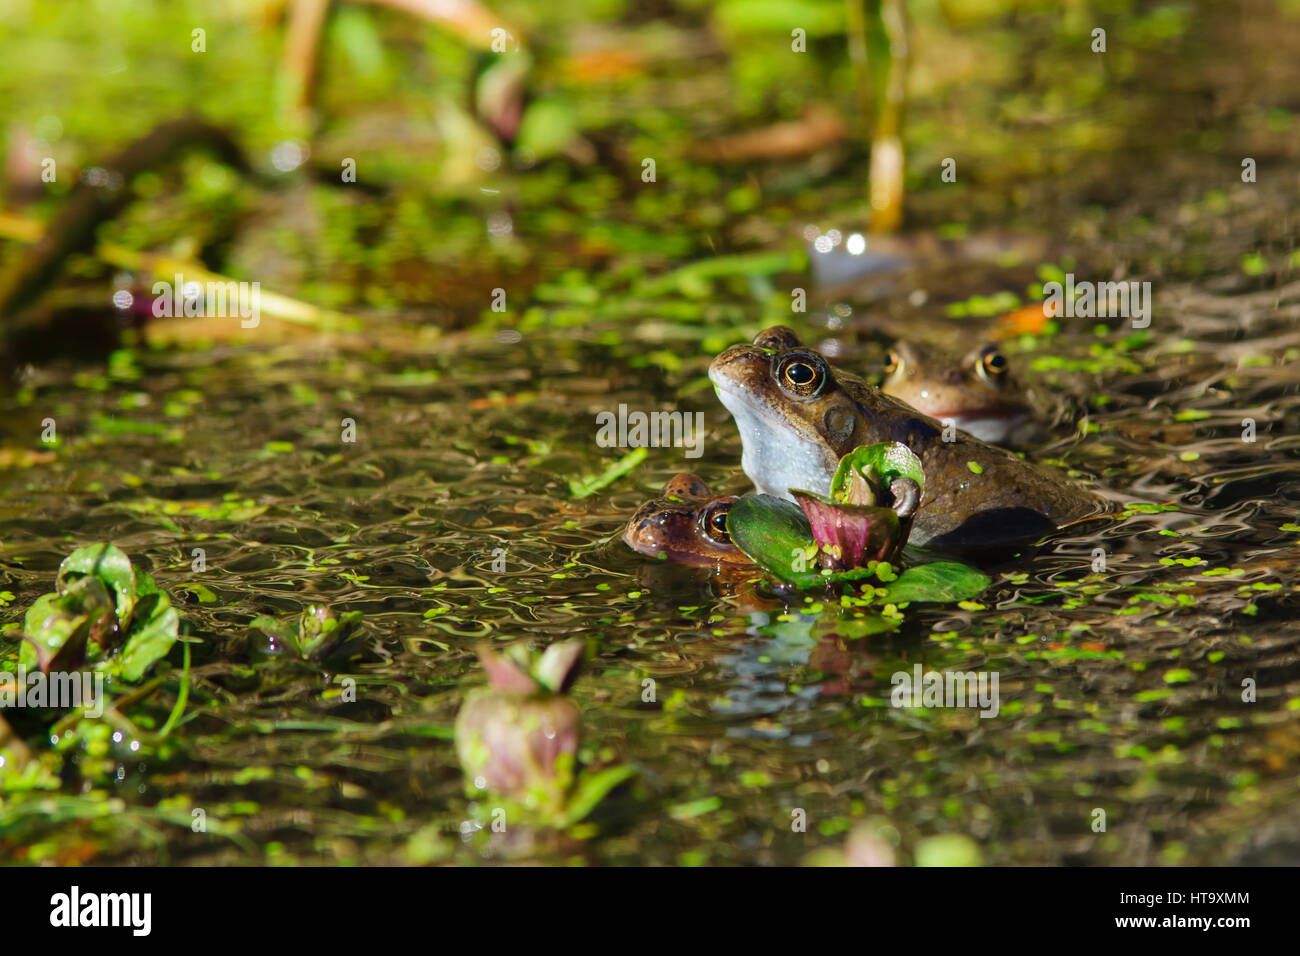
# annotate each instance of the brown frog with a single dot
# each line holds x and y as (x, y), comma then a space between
(797, 417)
(688, 524)
(977, 392)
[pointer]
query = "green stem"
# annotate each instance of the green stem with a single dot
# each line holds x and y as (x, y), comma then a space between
(181, 698)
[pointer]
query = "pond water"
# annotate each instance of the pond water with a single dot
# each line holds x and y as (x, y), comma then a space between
(1147, 663)
(1121, 686)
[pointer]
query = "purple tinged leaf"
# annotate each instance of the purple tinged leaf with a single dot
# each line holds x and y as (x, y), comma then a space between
(853, 535)
(505, 674)
(516, 746)
(860, 489)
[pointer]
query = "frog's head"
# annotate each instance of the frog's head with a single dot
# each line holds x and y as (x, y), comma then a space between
(977, 391)
(687, 524)
(795, 418)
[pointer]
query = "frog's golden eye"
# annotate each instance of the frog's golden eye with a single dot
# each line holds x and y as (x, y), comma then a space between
(714, 523)
(992, 364)
(801, 373)
(893, 362)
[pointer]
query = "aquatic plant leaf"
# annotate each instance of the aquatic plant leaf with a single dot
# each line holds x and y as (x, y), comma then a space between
(940, 581)
(770, 530)
(15, 751)
(321, 633)
(145, 584)
(777, 535)
(59, 645)
(592, 788)
(519, 746)
(547, 127)
(152, 635)
(851, 534)
(110, 565)
(60, 626)
(278, 634)
(775, 532)
(315, 624)
(558, 665)
(313, 635)
(506, 674)
(40, 637)
(864, 473)
(853, 628)
(590, 484)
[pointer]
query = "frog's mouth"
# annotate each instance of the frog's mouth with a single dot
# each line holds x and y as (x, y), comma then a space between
(996, 428)
(776, 456)
(979, 413)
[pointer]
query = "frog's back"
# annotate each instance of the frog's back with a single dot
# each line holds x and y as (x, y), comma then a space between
(977, 495)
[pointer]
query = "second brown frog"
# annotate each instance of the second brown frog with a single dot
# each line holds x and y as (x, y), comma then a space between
(976, 392)
(687, 524)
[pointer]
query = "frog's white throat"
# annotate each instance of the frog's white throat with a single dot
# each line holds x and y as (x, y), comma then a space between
(775, 457)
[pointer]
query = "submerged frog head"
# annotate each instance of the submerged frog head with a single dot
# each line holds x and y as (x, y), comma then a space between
(797, 417)
(977, 392)
(688, 524)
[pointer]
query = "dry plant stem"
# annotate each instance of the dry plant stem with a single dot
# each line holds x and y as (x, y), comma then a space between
(89, 205)
(470, 21)
(164, 267)
(301, 42)
(887, 141)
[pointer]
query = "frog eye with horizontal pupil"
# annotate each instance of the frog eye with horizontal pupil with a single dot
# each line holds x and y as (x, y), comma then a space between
(801, 374)
(893, 362)
(992, 364)
(714, 522)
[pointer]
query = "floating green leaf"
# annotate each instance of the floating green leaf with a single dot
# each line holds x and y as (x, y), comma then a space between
(940, 581)
(590, 484)
(101, 602)
(153, 632)
(591, 788)
(774, 532)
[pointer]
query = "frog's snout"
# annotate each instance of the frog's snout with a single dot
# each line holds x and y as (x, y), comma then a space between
(735, 355)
